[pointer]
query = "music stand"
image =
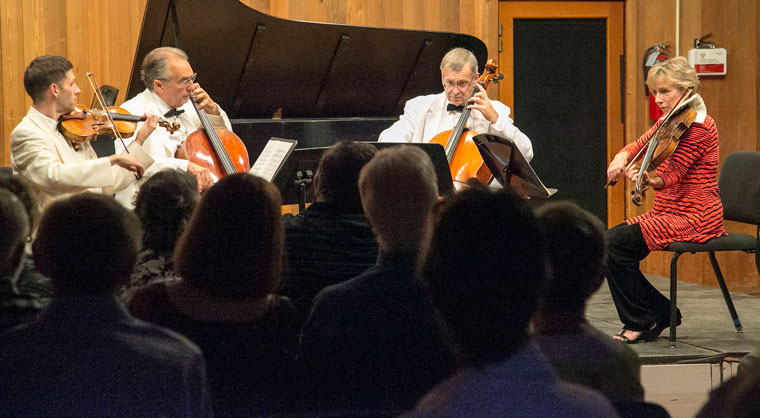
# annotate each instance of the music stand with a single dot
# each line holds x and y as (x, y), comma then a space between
(509, 167)
(104, 144)
(295, 177)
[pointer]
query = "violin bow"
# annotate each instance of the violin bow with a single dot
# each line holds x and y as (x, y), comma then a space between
(102, 102)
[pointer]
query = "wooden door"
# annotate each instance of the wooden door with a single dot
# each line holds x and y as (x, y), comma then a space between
(563, 65)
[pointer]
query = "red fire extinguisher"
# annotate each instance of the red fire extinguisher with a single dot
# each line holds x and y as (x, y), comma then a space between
(658, 52)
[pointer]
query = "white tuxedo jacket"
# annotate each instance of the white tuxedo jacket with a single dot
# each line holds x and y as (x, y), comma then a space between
(41, 155)
(160, 144)
(426, 116)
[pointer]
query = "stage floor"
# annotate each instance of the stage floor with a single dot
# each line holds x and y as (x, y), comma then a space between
(706, 334)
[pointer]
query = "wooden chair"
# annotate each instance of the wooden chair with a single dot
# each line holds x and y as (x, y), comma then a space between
(739, 185)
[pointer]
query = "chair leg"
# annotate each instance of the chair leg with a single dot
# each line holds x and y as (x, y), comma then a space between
(724, 289)
(673, 293)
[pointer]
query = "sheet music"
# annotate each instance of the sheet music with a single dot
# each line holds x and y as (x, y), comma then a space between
(272, 158)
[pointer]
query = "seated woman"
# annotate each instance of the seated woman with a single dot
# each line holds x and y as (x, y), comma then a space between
(164, 205)
(230, 259)
(687, 206)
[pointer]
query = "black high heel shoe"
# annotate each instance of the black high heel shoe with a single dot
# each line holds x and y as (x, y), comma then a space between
(660, 326)
(646, 336)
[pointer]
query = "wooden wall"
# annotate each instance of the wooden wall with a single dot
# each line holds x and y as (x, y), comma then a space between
(101, 35)
(732, 100)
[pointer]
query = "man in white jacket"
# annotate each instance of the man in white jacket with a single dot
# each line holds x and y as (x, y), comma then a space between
(170, 82)
(54, 166)
(426, 116)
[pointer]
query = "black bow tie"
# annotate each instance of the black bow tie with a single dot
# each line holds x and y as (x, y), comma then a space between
(174, 112)
(453, 108)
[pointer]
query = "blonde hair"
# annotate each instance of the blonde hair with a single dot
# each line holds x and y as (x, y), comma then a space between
(456, 58)
(676, 70)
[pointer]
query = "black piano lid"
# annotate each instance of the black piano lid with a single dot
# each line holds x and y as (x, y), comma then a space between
(253, 64)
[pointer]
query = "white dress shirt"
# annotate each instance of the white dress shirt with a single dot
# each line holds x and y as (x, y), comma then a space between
(426, 116)
(161, 144)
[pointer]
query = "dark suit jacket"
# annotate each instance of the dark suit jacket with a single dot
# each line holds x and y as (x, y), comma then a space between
(326, 244)
(371, 343)
(87, 356)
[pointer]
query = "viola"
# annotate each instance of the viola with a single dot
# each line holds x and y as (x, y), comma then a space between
(660, 146)
(82, 124)
(465, 160)
(217, 149)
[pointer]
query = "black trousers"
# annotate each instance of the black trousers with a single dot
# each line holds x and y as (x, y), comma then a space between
(639, 304)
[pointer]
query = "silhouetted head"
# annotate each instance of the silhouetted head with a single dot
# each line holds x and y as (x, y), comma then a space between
(484, 265)
(87, 244)
(337, 177)
(14, 228)
(576, 254)
(234, 242)
(164, 205)
(398, 190)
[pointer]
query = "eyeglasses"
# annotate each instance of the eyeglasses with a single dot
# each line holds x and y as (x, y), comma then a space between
(185, 81)
(460, 85)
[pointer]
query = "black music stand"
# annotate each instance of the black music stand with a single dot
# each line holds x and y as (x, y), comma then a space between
(104, 144)
(295, 177)
(509, 167)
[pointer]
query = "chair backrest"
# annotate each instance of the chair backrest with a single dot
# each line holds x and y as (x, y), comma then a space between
(739, 185)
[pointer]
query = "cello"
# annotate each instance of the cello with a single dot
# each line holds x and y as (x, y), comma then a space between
(465, 161)
(217, 149)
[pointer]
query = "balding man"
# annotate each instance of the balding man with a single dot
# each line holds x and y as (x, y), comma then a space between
(169, 84)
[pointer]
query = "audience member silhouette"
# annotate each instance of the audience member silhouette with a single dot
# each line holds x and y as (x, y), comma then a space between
(736, 398)
(578, 352)
(371, 343)
(30, 283)
(164, 204)
(85, 355)
(15, 308)
(330, 241)
(230, 261)
(484, 267)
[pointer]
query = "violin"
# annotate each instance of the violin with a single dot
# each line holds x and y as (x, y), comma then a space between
(109, 127)
(82, 124)
(465, 161)
(660, 146)
(217, 149)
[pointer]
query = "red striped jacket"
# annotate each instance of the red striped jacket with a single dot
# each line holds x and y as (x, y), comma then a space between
(688, 207)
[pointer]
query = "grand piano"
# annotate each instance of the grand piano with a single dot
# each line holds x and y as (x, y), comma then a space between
(313, 82)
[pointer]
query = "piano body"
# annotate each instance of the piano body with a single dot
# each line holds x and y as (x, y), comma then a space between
(313, 82)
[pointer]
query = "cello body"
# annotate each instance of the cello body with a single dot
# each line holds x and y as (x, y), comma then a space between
(200, 150)
(466, 161)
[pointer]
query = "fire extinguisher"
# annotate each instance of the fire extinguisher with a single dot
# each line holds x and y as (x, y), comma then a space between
(658, 52)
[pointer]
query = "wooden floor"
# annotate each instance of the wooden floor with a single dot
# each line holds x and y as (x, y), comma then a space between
(707, 350)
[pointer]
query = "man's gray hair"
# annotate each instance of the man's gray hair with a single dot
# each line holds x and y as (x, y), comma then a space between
(455, 59)
(155, 65)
